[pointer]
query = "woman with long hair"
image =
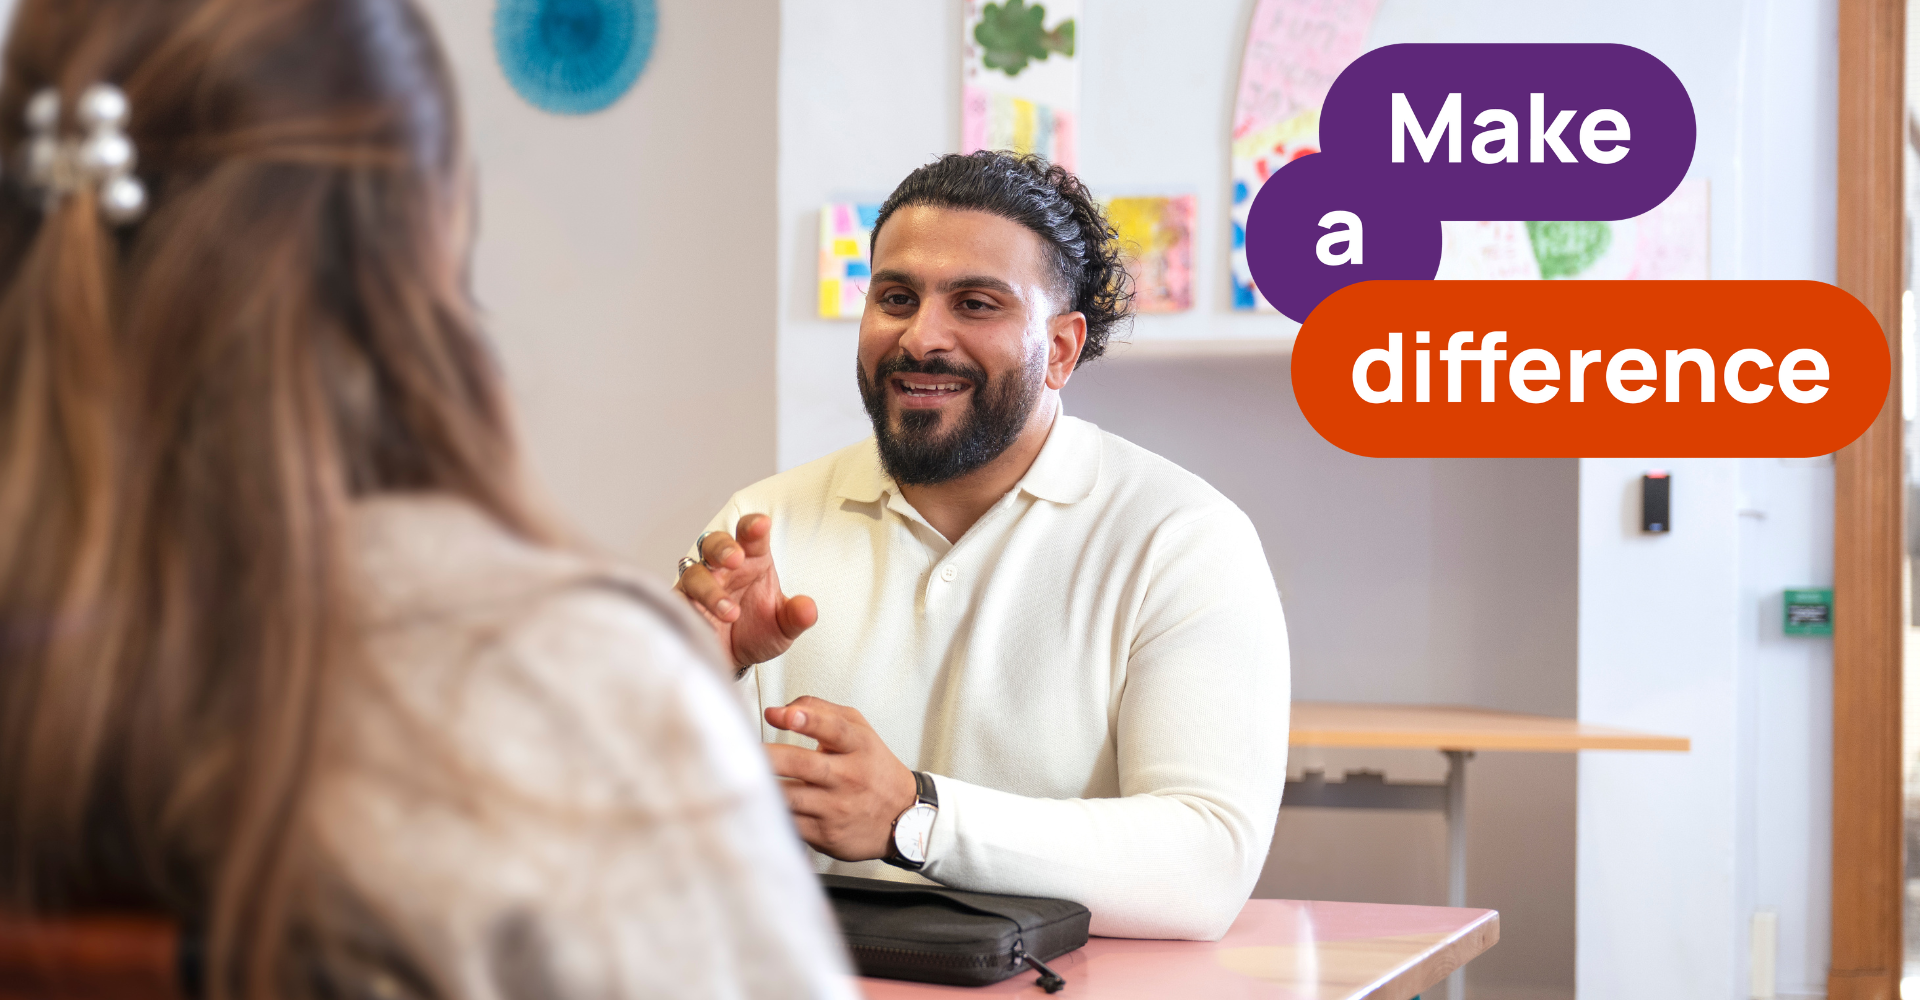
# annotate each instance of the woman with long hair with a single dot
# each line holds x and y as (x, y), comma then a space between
(285, 651)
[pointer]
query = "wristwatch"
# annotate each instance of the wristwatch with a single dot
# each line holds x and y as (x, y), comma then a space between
(913, 829)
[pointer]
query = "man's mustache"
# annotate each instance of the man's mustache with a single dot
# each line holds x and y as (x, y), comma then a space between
(902, 364)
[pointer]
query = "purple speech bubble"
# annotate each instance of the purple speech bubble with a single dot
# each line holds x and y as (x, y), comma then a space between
(1610, 136)
(1401, 238)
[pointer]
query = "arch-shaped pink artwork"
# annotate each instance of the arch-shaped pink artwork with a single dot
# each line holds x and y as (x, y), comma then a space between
(1295, 49)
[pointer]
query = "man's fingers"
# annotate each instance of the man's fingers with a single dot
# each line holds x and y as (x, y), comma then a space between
(718, 549)
(836, 727)
(705, 615)
(796, 615)
(787, 717)
(753, 533)
(799, 763)
(699, 585)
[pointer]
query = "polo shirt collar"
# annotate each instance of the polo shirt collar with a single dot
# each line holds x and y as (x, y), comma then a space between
(1064, 472)
(863, 481)
(1068, 464)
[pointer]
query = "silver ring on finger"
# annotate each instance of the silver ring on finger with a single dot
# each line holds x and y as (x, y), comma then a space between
(686, 563)
(700, 548)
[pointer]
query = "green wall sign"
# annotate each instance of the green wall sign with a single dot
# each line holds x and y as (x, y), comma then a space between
(1808, 612)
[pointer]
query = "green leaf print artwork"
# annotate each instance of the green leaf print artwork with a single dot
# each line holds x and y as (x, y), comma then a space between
(1564, 249)
(1012, 34)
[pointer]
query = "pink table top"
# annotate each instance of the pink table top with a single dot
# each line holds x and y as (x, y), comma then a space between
(1278, 949)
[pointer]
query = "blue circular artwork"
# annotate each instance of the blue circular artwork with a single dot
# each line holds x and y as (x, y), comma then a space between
(573, 57)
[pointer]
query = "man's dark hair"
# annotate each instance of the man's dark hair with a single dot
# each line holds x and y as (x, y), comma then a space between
(1051, 202)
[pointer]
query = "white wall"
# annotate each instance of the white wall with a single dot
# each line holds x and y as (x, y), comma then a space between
(1784, 795)
(1681, 633)
(1783, 217)
(1658, 618)
(626, 267)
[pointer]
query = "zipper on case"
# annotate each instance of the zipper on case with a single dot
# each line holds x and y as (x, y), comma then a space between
(929, 959)
(1049, 979)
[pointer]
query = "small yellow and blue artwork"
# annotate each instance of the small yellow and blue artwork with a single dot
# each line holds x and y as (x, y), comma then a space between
(846, 232)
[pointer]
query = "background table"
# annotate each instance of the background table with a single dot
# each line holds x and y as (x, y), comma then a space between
(1278, 949)
(1445, 727)
(1457, 733)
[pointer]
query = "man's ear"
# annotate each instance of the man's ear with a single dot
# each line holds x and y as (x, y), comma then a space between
(1066, 336)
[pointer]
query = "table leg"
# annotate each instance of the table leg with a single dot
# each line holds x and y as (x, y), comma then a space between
(1457, 850)
(1370, 790)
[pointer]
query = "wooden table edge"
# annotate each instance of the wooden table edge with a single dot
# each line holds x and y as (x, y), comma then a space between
(1460, 727)
(1517, 742)
(1426, 971)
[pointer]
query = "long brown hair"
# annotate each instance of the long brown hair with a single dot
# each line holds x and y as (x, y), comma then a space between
(188, 407)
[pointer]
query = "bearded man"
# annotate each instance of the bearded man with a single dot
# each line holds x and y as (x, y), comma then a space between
(1075, 646)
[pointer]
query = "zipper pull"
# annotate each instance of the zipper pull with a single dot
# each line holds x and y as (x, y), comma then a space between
(1049, 979)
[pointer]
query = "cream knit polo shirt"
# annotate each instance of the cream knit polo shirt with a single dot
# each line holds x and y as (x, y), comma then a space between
(1095, 674)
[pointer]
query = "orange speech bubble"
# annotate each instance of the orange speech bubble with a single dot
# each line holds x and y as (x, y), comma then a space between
(1590, 368)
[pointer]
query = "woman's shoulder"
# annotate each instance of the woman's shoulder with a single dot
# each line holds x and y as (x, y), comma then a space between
(418, 555)
(553, 668)
(539, 752)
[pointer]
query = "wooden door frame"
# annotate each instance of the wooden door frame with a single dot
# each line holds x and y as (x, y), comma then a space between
(1868, 523)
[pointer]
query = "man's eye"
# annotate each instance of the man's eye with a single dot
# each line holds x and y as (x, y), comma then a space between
(975, 305)
(897, 299)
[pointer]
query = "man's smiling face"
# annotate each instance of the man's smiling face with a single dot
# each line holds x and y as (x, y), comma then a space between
(954, 341)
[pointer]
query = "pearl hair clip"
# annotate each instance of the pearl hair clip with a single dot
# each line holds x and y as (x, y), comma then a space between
(104, 156)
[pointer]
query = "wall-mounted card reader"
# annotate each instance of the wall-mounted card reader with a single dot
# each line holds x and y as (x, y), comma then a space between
(1656, 506)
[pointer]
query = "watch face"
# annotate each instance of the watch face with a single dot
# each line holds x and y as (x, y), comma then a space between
(912, 831)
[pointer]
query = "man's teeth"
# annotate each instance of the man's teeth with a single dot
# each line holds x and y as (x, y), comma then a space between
(923, 390)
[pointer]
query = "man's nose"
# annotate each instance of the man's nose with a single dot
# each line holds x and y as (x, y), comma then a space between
(930, 331)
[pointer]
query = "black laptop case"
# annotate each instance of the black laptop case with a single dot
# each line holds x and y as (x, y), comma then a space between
(932, 934)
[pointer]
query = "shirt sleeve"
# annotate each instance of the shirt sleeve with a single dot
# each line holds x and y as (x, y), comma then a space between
(608, 827)
(1201, 742)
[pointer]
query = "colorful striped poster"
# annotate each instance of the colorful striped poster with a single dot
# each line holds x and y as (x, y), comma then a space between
(1019, 78)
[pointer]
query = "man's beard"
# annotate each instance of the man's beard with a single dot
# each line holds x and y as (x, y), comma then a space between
(917, 454)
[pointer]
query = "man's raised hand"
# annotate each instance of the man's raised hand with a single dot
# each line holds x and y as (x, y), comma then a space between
(741, 597)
